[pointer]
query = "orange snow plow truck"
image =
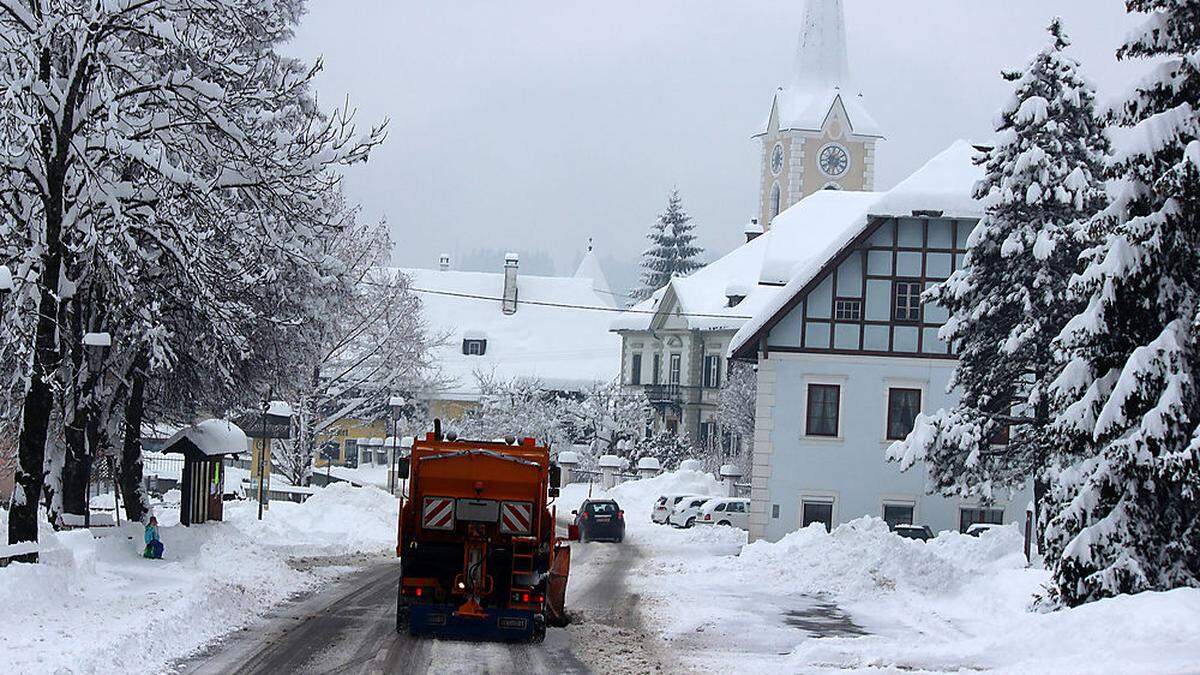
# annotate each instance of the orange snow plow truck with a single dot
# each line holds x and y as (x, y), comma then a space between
(479, 554)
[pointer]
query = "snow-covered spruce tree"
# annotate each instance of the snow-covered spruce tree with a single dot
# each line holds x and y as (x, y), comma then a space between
(1126, 485)
(1043, 182)
(170, 131)
(672, 251)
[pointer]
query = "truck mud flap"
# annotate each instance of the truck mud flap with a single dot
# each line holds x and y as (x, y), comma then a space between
(498, 625)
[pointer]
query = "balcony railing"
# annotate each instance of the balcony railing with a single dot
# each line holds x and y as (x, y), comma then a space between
(664, 393)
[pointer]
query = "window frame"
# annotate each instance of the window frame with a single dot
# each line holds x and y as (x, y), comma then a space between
(675, 368)
(808, 409)
(635, 368)
(813, 500)
(887, 429)
(712, 371)
(896, 504)
(470, 345)
(909, 283)
(857, 303)
(963, 509)
(657, 369)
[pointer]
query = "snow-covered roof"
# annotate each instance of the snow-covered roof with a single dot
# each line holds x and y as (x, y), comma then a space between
(804, 109)
(558, 335)
(700, 297)
(589, 268)
(945, 184)
(757, 269)
(211, 437)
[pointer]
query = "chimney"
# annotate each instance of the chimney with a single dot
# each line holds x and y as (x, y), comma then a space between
(509, 302)
(753, 230)
(444, 262)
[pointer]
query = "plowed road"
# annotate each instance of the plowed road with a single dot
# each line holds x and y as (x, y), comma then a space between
(350, 628)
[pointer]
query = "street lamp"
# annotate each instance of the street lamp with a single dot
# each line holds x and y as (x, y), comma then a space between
(96, 346)
(396, 403)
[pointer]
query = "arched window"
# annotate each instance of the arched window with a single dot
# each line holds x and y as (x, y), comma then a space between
(775, 196)
(832, 186)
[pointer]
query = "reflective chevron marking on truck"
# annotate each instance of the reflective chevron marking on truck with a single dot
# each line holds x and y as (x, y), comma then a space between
(516, 517)
(438, 513)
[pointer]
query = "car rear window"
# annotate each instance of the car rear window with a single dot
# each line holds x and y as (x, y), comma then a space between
(698, 502)
(720, 507)
(602, 508)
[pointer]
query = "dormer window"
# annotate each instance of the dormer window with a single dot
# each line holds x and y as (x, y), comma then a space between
(474, 346)
(735, 300)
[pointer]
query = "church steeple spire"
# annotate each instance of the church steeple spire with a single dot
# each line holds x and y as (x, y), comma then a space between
(821, 61)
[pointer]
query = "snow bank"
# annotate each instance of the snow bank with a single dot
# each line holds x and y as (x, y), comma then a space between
(95, 605)
(877, 601)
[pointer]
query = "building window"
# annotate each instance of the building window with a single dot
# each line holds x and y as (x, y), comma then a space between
(970, 516)
(657, 369)
(776, 196)
(774, 510)
(848, 310)
(822, 417)
(712, 371)
(898, 514)
(816, 512)
(908, 301)
(903, 406)
(635, 372)
(708, 433)
(474, 347)
(673, 375)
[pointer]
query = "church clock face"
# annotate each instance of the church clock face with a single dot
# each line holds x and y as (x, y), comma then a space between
(777, 159)
(833, 160)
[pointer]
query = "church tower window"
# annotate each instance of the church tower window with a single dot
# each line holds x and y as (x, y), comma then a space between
(775, 197)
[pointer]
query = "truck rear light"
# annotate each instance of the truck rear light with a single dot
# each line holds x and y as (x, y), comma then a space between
(708, 516)
(419, 592)
(620, 515)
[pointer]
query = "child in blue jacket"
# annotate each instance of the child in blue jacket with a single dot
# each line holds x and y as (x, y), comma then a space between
(154, 545)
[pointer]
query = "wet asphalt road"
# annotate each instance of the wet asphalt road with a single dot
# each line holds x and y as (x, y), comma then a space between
(350, 628)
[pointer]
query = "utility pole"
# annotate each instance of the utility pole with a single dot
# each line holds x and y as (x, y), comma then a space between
(262, 454)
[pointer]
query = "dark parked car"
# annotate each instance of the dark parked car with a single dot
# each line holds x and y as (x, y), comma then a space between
(921, 532)
(600, 520)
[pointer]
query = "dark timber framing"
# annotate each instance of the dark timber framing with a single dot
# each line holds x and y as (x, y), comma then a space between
(862, 246)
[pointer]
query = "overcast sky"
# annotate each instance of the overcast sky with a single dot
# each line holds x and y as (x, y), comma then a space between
(535, 125)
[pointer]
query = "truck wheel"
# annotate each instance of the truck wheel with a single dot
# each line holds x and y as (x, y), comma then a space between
(403, 613)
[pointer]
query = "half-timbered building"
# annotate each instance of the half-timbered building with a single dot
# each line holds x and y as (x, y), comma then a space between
(848, 355)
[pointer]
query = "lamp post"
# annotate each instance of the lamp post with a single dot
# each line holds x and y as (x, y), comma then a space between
(262, 455)
(396, 403)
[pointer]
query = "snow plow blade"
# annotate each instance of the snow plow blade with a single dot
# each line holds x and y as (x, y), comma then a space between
(556, 591)
(443, 621)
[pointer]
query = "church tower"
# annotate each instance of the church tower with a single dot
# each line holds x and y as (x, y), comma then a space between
(818, 135)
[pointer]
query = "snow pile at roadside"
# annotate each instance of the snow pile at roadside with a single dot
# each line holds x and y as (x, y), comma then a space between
(861, 597)
(341, 517)
(95, 605)
(864, 559)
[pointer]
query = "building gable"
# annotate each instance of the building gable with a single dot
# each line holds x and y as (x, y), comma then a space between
(864, 300)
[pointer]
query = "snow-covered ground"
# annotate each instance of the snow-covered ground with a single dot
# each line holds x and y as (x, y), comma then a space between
(861, 598)
(94, 605)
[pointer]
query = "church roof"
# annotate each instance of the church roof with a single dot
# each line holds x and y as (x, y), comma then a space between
(589, 268)
(821, 73)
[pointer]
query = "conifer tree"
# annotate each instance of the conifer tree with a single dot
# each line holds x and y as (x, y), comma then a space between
(672, 252)
(1007, 304)
(1126, 487)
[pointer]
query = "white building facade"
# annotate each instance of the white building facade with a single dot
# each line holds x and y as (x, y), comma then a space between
(848, 355)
